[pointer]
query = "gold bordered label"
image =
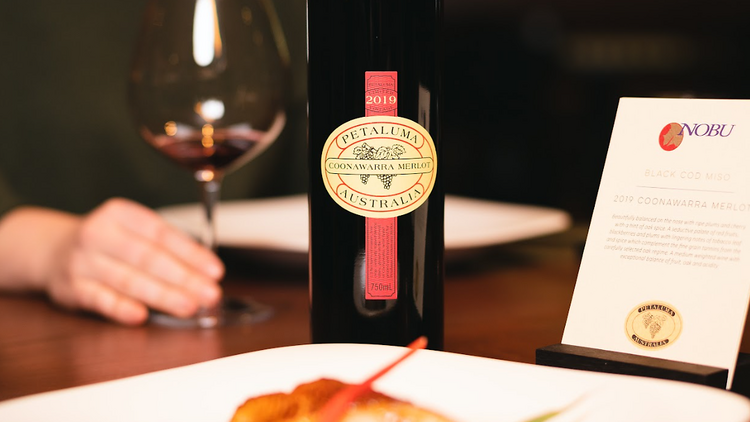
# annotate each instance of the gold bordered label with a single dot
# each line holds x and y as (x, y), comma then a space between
(379, 166)
(653, 325)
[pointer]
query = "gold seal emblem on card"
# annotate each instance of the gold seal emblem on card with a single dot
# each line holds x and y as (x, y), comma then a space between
(653, 325)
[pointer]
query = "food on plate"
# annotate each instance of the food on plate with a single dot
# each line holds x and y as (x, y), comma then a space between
(303, 404)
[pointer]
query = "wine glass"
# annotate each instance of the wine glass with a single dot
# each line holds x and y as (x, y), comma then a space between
(206, 89)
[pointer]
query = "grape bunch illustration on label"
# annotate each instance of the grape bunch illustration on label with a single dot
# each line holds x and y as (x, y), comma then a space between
(653, 323)
(366, 152)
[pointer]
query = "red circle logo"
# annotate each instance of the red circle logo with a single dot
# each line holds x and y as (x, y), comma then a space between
(671, 136)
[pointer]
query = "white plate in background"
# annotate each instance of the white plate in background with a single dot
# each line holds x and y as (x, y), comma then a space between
(466, 388)
(280, 223)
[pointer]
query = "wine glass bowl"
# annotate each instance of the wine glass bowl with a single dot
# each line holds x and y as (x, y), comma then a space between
(206, 89)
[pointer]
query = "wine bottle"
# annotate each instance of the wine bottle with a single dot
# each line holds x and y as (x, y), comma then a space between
(376, 200)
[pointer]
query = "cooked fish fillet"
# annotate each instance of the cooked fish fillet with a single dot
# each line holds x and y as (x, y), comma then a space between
(302, 404)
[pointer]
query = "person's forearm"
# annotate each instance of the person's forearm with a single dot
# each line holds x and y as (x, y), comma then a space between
(29, 241)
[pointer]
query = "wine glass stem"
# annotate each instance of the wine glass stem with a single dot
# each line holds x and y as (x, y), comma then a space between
(210, 193)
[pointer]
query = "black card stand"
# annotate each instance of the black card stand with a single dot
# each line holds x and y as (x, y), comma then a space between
(597, 360)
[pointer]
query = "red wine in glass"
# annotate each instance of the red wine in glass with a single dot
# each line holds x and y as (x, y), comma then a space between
(206, 90)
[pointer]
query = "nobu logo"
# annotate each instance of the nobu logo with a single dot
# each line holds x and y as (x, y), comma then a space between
(672, 134)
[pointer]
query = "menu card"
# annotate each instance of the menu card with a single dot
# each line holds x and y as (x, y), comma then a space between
(665, 272)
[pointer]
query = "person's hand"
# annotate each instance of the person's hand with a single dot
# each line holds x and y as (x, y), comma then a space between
(120, 260)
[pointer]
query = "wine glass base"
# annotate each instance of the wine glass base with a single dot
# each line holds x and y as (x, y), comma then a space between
(231, 311)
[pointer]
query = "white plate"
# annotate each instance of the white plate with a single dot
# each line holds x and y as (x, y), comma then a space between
(466, 388)
(280, 224)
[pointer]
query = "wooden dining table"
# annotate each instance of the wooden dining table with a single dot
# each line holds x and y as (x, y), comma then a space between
(501, 302)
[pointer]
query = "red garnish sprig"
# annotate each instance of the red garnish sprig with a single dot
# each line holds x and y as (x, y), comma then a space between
(337, 406)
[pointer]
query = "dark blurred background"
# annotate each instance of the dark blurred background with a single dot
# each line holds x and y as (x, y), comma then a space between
(531, 92)
(532, 86)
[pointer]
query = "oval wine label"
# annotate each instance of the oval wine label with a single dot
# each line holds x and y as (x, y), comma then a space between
(379, 166)
(653, 325)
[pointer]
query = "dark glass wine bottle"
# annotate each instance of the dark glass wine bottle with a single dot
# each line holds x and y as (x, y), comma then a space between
(375, 200)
